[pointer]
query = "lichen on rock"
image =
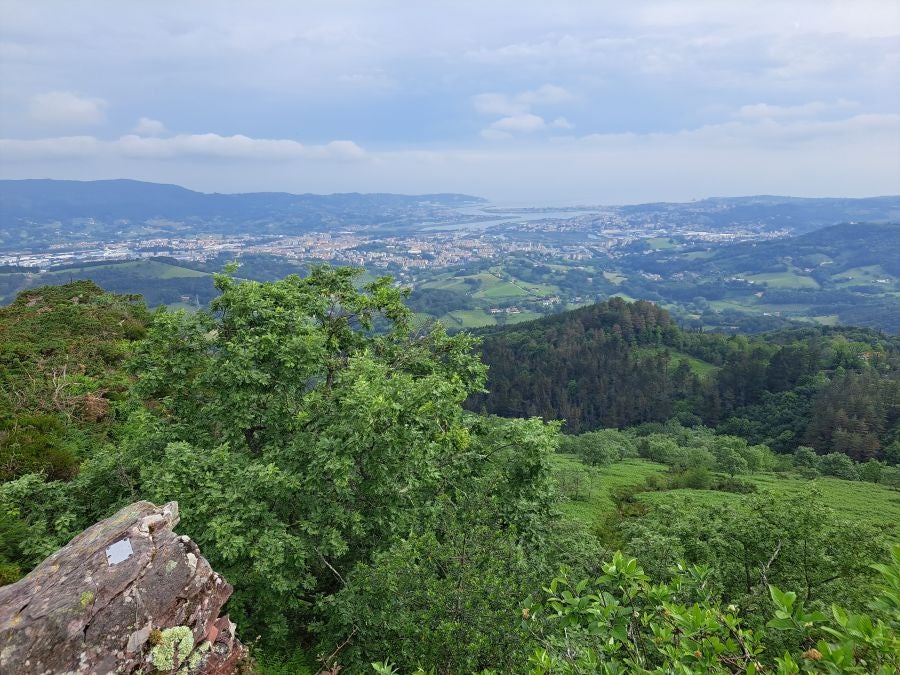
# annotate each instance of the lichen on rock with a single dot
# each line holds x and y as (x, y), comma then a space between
(174, 646)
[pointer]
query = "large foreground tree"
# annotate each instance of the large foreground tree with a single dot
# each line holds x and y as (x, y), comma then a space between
(304, 425)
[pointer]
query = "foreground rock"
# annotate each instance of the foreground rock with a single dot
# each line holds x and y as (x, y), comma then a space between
(127, 595)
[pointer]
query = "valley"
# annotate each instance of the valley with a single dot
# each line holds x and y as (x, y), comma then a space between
(740, 264)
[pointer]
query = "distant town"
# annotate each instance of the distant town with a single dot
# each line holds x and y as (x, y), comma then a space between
(432, 245)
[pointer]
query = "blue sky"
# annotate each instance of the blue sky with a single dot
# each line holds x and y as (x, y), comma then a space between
(526, 102)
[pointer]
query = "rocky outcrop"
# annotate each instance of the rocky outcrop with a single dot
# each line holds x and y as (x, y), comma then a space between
(127, 595)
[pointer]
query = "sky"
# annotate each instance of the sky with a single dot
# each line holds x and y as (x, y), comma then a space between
(522, 102)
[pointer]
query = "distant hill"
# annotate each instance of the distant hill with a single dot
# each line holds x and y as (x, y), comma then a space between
(797, 214)
(617, 364)
(849, 271)
(159, 281)
(836, 249)
(39, 211)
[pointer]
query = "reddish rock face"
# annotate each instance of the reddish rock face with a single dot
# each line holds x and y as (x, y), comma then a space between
(125, 596)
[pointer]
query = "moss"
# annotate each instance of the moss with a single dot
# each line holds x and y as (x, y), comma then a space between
(155, 637)
(171, 565)
(86, 598)
(173, 647)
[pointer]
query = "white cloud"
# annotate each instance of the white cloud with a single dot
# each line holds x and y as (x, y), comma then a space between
(548, 94)
(495, 135)
(238, 147)
(759, 111)
(526, 123)
(742, 76)
(494, 103)
(181, 147)
(149, 127)
(766, 135)
(516, 111)
(66, 109)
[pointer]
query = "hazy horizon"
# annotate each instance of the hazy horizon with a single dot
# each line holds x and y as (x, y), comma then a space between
(488, 202)
(528, 103)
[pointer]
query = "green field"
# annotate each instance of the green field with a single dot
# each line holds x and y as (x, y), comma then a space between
(467, 318)
(494, 289)
(591, 495)
(522, 316)
(476, 318)
(491, 287)
(784, 280)
(586, 491)
(864, 276)
(624, 296)
(719, 305)
(140, 269)
(614, 277)
(457, 282)
(502, 290)
(662, 243)
(698, 366)
(856, 499)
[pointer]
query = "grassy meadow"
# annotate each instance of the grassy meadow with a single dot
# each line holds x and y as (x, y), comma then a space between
(586, 491)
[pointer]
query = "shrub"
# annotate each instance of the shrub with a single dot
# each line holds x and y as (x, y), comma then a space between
(735, 485)
(697, 478)
(839, 465)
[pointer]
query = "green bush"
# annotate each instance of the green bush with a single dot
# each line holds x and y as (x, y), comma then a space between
(839, 465)
(36, 444)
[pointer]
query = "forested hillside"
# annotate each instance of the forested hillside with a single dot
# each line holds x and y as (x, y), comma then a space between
(315, 437)
(617, 364)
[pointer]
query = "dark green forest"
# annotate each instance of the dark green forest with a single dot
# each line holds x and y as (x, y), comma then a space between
(618, 364)
(387, 497)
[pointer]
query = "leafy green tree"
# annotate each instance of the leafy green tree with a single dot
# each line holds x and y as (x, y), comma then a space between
(659, 448)
(805, 457)
(445, 598)
(871, 471)
(621, 622)
(304, 425)
(839, 465)
(795, 541)
(600, 448)
(731, 462)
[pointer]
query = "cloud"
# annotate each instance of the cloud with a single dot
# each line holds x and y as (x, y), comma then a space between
(149, 127)
(562, 123)
(181, 147)
(759, 111)
(65, 109)
(781, 136)
(694, 75)
(494, 103)
(736, 157)
(548, 94)
(497, 104)
(526, 123)
(516, 111)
